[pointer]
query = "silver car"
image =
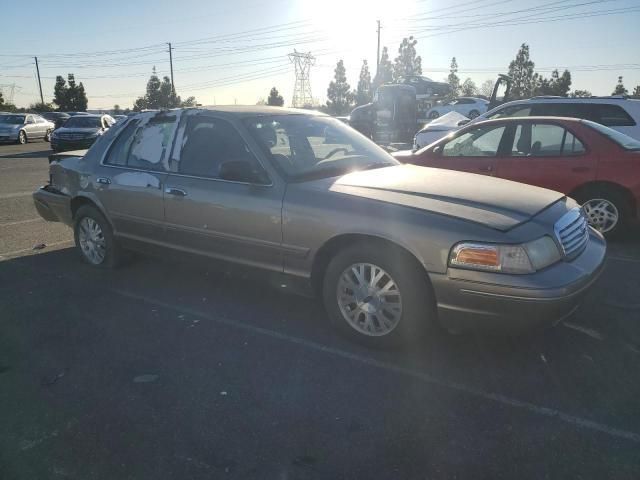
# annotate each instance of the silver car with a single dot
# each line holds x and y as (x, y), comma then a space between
(392, 249)
(22, 127)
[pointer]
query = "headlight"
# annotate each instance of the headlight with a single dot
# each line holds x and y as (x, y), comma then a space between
(519, 259)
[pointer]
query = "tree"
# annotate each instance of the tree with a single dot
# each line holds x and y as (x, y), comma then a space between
(161, 95)
(558, 85)
(1, 99)
(453, 80)
(385, 70)
(116, 110)
(521, 72)
(636, 92)
(620, 88)
(339, 96)
(486, 89)
(580, 94)
(69, 96)
(40, 107)
(275, 98)
(469, 88)
(363, 93)
(60, 93)
(407, 62)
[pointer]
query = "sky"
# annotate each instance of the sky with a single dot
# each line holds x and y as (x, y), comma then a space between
(234, 52)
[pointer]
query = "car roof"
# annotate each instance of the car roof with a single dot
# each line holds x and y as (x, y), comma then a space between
(571, 100)
(549, 119)
(240, 111)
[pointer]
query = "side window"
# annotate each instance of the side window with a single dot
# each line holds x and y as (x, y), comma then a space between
(612, 115)
(481, 142)
(119, 151)
(537, 140)
(572, 146)
(151, 143)
(30, 119)
(207, 144)
(512, 111)
(571, 110)
(39, 119)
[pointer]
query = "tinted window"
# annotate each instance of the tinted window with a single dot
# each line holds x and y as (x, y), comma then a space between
(207, 144)
(82, 121)
(537, 140)
(480, 142)
(571, 110)
(611, 115)
(572, 146)
(512, 111)
(120, 149)
(12, 119)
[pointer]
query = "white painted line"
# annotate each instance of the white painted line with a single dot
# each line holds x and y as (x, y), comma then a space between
(389, 367)
(17, 252)
(21, 222)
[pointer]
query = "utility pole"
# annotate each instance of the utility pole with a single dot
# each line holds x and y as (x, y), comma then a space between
(378, 55)
(39, 82)
(173, 88)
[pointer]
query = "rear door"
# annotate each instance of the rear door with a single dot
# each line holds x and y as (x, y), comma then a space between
(474, 151)
(129, 181)
(546, 155)
(237, 221)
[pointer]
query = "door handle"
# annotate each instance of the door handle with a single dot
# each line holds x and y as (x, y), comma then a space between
(488, 168)
(175, 191)
(103, 180)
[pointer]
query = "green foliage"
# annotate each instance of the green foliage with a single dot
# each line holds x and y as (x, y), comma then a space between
(580, 94)
(636, 92)
(363, 93)
(521, 71)
(275, 98)
(41, 107)
(68, 95)
(1, 99)
(620, 88)
(469, 88)
(407, 62)
(486, 89)
(453, 79)
(558, 85)
(339, 96)
(160, 96)
(385, 70)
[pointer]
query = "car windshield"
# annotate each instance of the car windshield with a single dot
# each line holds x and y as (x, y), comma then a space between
(12, 119)
(625, 141)
(305, 147)
(83, 122)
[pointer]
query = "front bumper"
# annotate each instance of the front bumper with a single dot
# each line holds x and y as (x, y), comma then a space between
(59, 144)
(53, 205)
(491, 302)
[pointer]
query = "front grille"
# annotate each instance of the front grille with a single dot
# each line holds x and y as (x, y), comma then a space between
(72, 136)
(572, 231)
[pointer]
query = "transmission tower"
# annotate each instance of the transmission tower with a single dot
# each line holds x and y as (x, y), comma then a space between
(302, 88)
(12, 87)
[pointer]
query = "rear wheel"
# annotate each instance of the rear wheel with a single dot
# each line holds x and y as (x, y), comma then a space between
(473, 114)
(22, 137)
(433, 115)
(378, 296)
(606, 210)
(94, 238)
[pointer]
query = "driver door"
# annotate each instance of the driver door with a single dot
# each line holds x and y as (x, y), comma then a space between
(474, 150)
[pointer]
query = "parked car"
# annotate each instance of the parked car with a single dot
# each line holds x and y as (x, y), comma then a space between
(58, 118)
(80, 132)
(119, 118)
(22, 127)
(470, 107)
(621, 114)
(73, 114)
(596, 165)
(391, 248)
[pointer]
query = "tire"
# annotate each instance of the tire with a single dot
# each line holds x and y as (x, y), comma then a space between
(601, 205)
(413, 303)
(87, 217)
(47, 136)
(473, 114)
(22, 138)
(433, 115)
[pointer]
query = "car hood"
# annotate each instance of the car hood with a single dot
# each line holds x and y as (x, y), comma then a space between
(85, 131)
(496, 203)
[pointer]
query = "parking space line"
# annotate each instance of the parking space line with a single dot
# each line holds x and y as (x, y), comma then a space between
(21, 222)
(389, 367)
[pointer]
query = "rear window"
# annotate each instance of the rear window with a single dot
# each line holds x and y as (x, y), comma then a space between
(621, 139)
(611, 115)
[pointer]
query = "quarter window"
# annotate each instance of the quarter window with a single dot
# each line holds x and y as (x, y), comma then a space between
(544, 140)
(612, 115)
(480, 142)
(120, 149)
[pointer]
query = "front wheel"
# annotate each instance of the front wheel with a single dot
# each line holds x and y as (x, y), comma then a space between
(378, 296)
(22, 137)
(94, 238)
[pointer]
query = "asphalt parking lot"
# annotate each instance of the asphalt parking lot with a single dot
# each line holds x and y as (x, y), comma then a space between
(160, 370)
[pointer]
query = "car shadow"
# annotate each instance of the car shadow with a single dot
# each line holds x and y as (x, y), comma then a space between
(38, 154)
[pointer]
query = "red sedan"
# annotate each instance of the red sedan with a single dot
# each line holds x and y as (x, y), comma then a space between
(594, 164)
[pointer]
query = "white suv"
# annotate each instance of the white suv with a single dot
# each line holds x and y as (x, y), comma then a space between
(621, 114)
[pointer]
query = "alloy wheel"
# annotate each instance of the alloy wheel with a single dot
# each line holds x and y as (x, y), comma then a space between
(602, 214)
(369, 299)
(92, 241)
(22, 138)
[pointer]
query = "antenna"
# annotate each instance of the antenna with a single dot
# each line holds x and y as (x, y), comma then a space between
(302, 88)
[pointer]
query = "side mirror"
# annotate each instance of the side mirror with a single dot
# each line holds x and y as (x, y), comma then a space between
(463, 122)
(241, 171)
